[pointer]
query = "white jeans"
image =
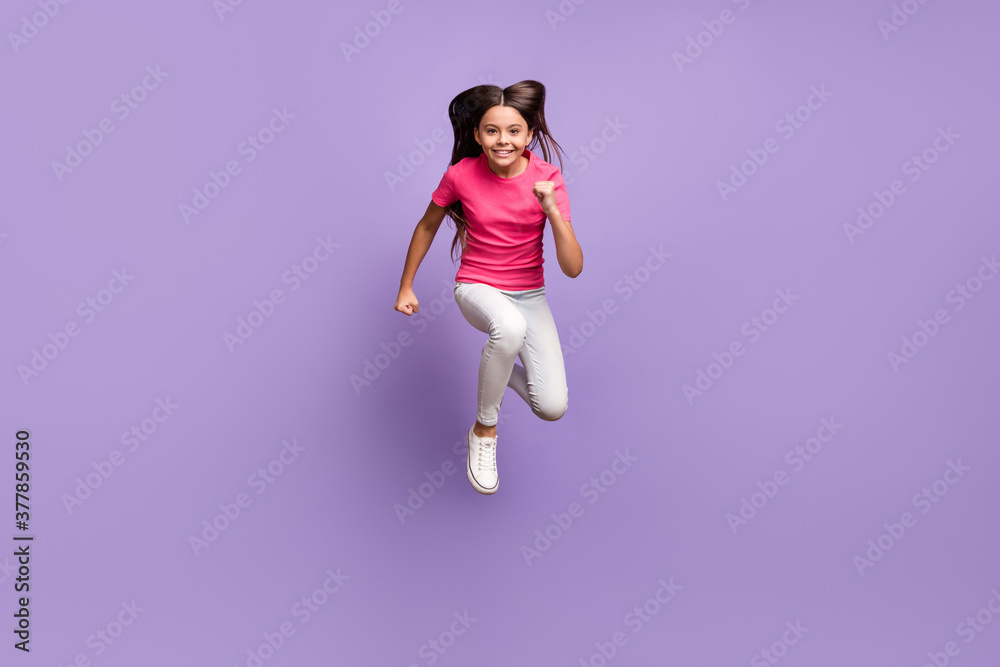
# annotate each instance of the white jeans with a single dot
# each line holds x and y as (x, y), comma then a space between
(520, 325)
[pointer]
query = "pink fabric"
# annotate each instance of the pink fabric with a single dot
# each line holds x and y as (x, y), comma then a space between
(505, 221)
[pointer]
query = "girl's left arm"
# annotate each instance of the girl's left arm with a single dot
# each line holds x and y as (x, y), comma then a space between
(568, 250)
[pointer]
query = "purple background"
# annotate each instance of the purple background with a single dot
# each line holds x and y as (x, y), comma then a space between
(650, 182)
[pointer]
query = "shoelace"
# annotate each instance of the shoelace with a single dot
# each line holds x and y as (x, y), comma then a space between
(487, 451)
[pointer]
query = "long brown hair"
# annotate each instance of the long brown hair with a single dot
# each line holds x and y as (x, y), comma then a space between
(466, 112)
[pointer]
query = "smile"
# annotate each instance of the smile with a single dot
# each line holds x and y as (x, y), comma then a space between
(503, 153)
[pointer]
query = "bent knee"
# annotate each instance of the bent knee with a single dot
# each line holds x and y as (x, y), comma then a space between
(551, 410)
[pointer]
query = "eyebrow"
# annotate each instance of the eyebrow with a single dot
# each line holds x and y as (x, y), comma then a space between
(511, 125)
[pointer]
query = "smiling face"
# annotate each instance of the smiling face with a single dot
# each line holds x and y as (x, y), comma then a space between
(503, 134)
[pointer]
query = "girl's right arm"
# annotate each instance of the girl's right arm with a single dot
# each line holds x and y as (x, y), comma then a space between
(423, 236)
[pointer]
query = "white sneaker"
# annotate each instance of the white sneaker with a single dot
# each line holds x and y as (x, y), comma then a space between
(482, 463)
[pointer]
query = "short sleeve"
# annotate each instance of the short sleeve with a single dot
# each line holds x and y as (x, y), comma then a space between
(561, 195)
(445, 195)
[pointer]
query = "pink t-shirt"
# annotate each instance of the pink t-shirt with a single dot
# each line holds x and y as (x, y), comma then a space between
(505, 220)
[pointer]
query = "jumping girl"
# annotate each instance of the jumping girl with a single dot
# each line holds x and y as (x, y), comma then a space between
(499, 194)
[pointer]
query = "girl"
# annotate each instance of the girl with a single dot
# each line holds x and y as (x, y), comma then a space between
(499, 194)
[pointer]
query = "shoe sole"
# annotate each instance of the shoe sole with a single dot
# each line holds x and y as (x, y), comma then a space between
(472, 480)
